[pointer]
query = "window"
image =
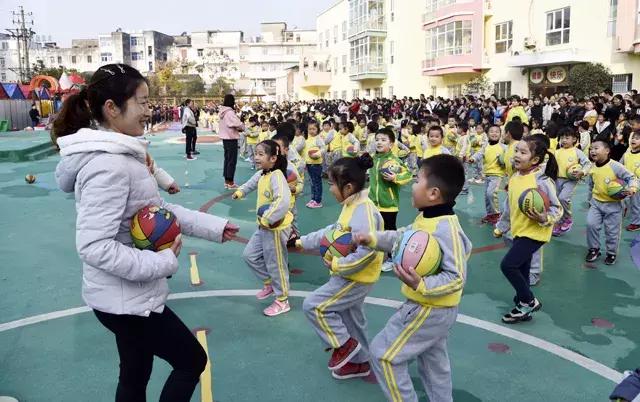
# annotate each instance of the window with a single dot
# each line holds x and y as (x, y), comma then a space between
(335, 65)
(434, 5)
(335, 34)
(558, 26)
(504, 37)
(454, 90)
(344, 64)
(73, 59)
(291, 50)
(200, 52)
(136, 41)
(434, 90)
(335, 94)
(502, 89)
(3, 76)
(320, 40)
(344, 30)
(52, 60)
(326, 38)
(2, 62)
(366, 14)
(367, 92)
(89, 59)
(390, 92)
(105, 57)
(613, 15)
(355, 94)
(391, 51)
(137, 56)
(5, 45)
(105, 42)
(367, 55)
(265, 51)
(621, 83)
(391, 9)
(60, 59)
(377, 92)
(453, 38)
(321, 95)
(150, 50)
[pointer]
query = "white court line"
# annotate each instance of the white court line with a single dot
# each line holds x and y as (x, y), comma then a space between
(566, 354)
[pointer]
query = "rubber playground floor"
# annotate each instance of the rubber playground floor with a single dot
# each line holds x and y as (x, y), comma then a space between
(53, 349)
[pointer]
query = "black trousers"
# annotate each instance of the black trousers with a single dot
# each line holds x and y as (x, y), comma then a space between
(230, 159)
(389, 219)
(516, 266)
(191, 137)
(163, 335)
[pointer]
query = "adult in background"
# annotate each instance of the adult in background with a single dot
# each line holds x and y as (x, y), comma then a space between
(34, 115)
(189, 129)
(229, 132)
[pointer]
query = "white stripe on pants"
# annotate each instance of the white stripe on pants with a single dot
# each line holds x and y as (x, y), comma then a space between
(266, 254)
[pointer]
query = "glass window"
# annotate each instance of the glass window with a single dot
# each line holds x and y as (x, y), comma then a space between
(335, 34)
(60, 58)
(344, 63)
(89, 59)
(504, 37)
(355, 93)
(344, 30)
(320, 39)
(613, 16)
(2, 62)
(390, 92)
(73, 59)
(621, 83)
(502, 89)
(103, 57)
(558, 26)
(391, 51)
(454, 90)
(344, 94)
(377, 92)
(453, 38)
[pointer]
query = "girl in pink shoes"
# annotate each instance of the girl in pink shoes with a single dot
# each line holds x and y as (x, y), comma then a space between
(266, 253)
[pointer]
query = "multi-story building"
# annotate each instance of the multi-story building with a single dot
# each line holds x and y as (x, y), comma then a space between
(8, 58)
(434, 47)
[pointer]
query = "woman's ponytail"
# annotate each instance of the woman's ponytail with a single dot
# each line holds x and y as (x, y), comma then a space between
(551, 170)
(75, 114)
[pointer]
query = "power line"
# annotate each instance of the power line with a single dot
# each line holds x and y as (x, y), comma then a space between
(22, 33)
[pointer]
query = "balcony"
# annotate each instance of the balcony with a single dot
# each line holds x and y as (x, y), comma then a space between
(453, 64)
(373, 26)
(452, 9)
(312, 78)
(368, 71)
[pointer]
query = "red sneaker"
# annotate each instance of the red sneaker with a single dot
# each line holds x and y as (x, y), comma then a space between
(343, 354)
(493, 218)
(352, 370)
(485, 219)
(633, 228)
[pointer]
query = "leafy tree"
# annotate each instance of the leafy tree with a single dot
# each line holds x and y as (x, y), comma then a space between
(588, 79)
(478, 85)
(220, 87)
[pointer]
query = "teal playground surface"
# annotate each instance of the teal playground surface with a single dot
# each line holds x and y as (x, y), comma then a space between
(53, 349)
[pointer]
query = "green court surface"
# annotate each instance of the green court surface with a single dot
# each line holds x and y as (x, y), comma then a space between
(52, 349)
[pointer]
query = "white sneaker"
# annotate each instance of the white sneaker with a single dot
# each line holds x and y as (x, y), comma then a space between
(387, 266)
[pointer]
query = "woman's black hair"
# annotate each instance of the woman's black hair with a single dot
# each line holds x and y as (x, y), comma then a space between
(271, 148)
(117, 82)
(351, 170)
(229, 100)
(540, 149)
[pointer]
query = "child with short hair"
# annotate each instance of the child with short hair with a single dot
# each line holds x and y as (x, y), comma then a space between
(296, 186)
(631, 160)
(435, 136)
(529, 230)
(336, 309)
(477, 140)
(384, 186)
(605, 211)
(585, 137)
(266, 252)
(372, 129)
(314, 153)
(420, 328)
(252, 134)
(491, 157)
(567, 156)
(264, 132)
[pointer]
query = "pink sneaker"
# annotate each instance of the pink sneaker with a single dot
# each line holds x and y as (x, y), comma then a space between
(566, 225)
(556, 229)
(266, 291)
(276, 308)
(313, 205)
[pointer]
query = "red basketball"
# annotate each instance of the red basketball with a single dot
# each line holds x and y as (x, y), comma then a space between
(154, 228)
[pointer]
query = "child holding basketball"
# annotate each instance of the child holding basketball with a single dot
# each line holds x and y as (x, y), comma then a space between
(126, 287)
(631, 160)
(388, 174)
(314, 152)
(266, 253)
(336, 309)
(295, 181)
(530, 228)
(420, 327)
(572, 166)
(605, 208)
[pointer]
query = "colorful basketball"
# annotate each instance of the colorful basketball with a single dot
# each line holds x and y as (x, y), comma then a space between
(420, 251)
(615, 188)
(351, 151)
(314, 153)
(573, 171)
(264, 208)
(533, 198)
(292, 176)
(154, 228)
(335, 243)
(390, 166)
(30, 178)
(452, 137)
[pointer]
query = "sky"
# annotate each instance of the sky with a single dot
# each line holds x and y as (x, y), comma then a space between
(75, 19)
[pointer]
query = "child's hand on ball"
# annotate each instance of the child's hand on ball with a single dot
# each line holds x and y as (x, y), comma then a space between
(177, 245)
(230, 231)
(237, 195)
(407, 275)
(361, 239)
(389, 176)
(540, 217)
(173, 188)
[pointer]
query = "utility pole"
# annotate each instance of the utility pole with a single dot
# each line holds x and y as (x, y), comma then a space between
(22, 33)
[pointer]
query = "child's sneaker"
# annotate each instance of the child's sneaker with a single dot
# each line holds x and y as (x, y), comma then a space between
(494, 218)
(276, 308)
(387, 266)
(556, 230)
(266, 291)
(313, 204)
(352, 370)
(534, 278)
(593, 254)
(610, 259)
(566, 225)
(341, 356)
(522, 312)
(633, 228)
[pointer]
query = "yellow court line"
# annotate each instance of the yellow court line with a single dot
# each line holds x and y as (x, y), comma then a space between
(195, 275)
(206, 388)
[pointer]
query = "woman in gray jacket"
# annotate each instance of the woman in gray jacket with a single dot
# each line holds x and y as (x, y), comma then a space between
(126, 287)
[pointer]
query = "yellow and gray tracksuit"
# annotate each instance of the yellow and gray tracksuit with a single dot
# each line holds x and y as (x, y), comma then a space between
(631, 161)
(336, 309)
(489, 157)
(293, 163)
(566, 186)
(266, 253)
(419, 329)
(253, 134)
(604, 210)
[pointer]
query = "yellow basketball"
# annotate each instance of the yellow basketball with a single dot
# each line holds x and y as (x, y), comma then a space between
(573, 171)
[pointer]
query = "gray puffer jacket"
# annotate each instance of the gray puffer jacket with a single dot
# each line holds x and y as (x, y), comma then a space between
(108, 174)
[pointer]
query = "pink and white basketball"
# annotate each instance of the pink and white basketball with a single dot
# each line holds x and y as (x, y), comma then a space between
(420, 251)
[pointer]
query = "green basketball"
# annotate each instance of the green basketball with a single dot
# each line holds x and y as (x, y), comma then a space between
(535, 199)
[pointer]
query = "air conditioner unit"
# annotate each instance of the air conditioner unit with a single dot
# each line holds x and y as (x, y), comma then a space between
(529, 43)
